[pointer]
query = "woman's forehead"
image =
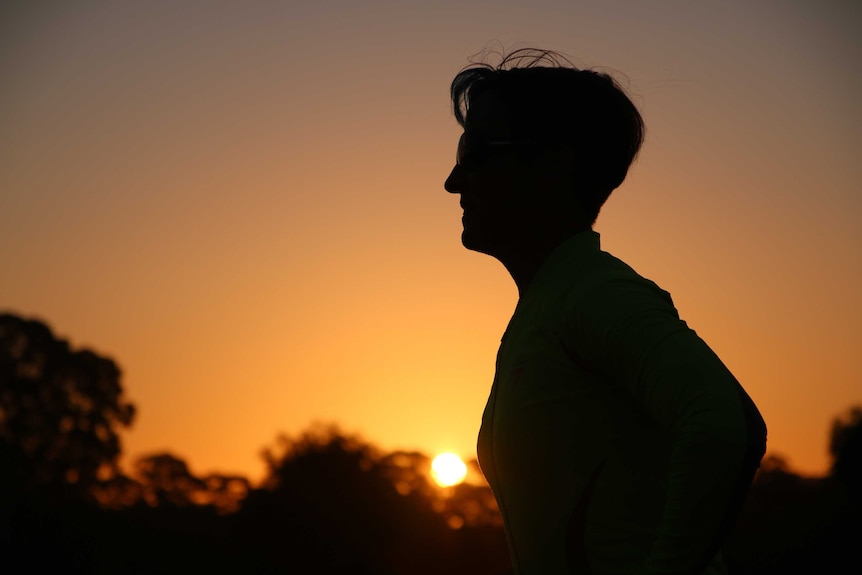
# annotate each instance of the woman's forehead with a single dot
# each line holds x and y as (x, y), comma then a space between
(488, 115)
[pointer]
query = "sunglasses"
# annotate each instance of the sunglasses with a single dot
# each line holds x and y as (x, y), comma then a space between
(472, 151)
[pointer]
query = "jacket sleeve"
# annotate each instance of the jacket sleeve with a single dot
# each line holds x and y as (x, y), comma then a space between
(629, 332)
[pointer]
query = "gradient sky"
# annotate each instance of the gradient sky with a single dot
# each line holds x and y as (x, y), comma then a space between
(242, 204)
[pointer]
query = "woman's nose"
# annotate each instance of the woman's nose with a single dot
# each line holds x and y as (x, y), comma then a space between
(454, 181)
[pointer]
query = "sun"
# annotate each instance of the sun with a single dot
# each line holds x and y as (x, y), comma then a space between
(447, 469)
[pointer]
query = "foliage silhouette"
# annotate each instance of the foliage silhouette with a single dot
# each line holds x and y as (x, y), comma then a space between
(165, 480)
(330, 505)
(60, 411)
(845, 447)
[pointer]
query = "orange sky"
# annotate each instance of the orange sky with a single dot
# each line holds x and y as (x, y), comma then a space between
(242, 204)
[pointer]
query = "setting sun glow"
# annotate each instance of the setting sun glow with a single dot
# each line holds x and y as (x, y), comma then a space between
(242, 204)
(447, 469)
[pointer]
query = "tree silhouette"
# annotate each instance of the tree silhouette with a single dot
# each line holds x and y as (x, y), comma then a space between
(165, 480)
(330, 503)
(845, 447)
(60, 411)
(225, 492)
(118, 492)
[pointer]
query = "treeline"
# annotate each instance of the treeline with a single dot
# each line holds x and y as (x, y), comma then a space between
(330, 502)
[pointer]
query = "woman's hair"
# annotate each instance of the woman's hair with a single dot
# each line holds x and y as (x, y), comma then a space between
(550, 100)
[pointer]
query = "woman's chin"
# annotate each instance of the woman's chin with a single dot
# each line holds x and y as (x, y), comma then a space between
(473, 241)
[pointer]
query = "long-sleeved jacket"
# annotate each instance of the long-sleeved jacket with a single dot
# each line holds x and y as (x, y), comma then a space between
(614, 439)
